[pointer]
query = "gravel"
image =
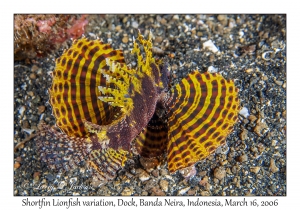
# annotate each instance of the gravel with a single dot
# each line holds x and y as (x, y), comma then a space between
(250, 49)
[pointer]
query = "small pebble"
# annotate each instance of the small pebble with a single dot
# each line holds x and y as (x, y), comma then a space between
(266, 35)
(284, 85)
(125, 39)
(158, 39)
(17, 165)
(187, 17)
(135, 24)
(183, 190)
(231, 23)
(155, 173)
(260, 147)
(255, 169)
(238, 184)
(34, 68)
(169, 178)
(40, 72)
(25, 124)
(118, 28)
(204, 193)
(279, 82)
(244, 112)
(204, 181)
(41, 109)
(50, 177)
(157, 192)
(212, 69)
(149, 184)
(127, 191)
(22, 110)
(252, 118)
(188, 172)
(249, 71)
(248, 49)
(242, 158)
(144, 193)
(174, 66)
(273, 166)
(221, 17)
(191, 192)
(144, 176)
(32, 76)
(210, 46)
(175, 17)
(164, 184)
(253, 149)
(157, 50)
(228, 171)
(259, 128)
(19, 159)
(36, 175)
(284, 114)
(31, 93)
(163, 172)
(249, 194)
(125, 19)
(274, 142)
(202, 173)
(219, 173)
(223, 163)
(36, 100)
(244, 135)
(199, 33)
(241, 33)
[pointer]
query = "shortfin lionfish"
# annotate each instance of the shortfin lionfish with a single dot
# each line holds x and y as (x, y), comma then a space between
(105, 110)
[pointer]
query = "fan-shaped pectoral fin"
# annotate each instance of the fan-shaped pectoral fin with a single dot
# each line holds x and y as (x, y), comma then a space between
(202, 111)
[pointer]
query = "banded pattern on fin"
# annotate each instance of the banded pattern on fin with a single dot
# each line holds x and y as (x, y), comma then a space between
(61, 152)
(152, 141)
(74, 92)
(201, 113)
(106, 162)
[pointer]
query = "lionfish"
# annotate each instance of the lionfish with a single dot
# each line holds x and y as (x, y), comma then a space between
(106, 111)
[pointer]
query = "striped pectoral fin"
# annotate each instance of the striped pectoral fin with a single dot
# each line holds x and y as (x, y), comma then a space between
(152, 141)
(74, 91)
(106, 162)
(61, 152)
(203, 110)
